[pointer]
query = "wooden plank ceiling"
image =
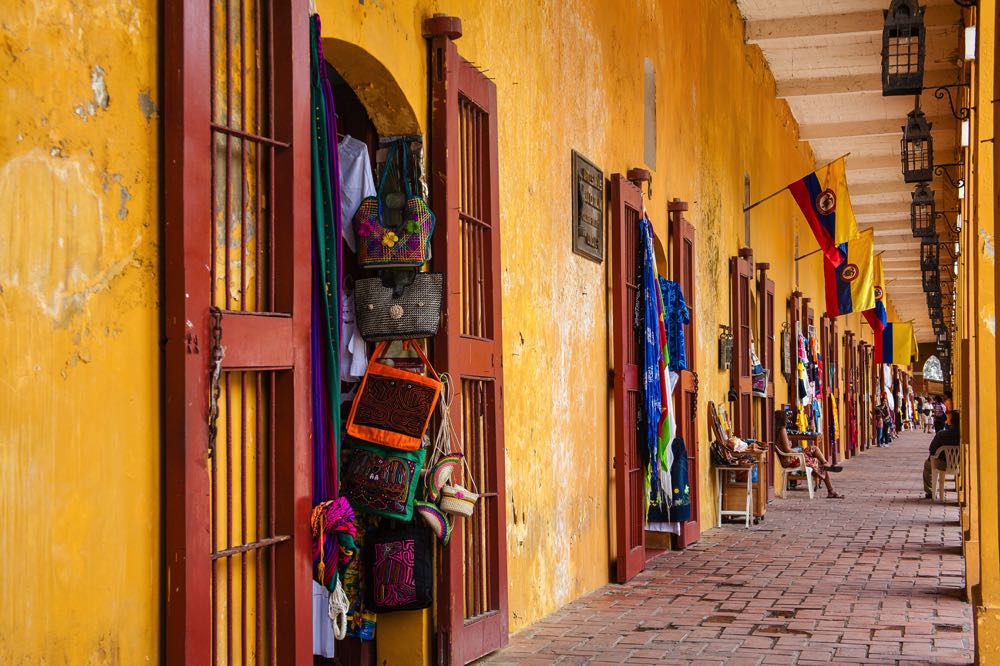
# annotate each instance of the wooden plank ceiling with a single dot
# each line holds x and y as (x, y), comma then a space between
(826, 58)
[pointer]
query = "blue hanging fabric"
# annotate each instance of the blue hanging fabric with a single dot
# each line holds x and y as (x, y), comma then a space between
(652, 363)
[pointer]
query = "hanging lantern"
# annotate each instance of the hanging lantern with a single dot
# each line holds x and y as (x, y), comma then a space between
(933, 299)
(928, 255)
(917, 147)
(922, 211)
(930, 280)
(903, 47)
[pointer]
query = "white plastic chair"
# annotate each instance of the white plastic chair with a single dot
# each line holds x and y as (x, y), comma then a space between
(953, 466)
(801, 468)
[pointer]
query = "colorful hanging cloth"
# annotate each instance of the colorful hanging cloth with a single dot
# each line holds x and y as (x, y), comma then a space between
(333, 546)
(652, 360)
(327, 275)
(676, 313)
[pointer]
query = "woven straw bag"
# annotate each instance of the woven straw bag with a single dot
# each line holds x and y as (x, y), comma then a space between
(399, 312)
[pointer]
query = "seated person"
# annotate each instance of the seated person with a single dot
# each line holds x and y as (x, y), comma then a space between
(815, 460)
(950, 436)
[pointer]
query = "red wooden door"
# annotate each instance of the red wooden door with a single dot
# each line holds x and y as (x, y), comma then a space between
(684, 254)
(237, 275)
(630, 501)
(797, 328)
(472, 616)
(741, 275)
(826, 383)
(765, 298)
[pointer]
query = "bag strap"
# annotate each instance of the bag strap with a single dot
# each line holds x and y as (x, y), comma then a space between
(407, 344)
(411, 344)
(447, 440)
(405, 168)
(385, 171)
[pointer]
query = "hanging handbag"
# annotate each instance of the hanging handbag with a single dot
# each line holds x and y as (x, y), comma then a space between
(400, 569)
(382, 481)
(387, 311)
(393, 407)
(392, 230)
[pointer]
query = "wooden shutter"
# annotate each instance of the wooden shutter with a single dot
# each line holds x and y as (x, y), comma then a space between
(237, 292)
(684, 253)
(630, 502)
(741, 274)
(765, 298)
(472, 578)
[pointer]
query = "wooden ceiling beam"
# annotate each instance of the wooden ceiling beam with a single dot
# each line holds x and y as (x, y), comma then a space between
(852, 128)
(941, 13)
(936, 74)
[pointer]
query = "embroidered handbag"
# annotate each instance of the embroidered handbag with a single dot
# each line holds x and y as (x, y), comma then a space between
(394, 231)
(393, 407)
(382, 481)
(399, 312)
(400, 569)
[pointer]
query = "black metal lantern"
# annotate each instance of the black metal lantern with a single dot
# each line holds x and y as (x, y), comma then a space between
(922, 211)
(933, 299)
(929, 254)
(903, 48)
(916, 148)
(930, 280)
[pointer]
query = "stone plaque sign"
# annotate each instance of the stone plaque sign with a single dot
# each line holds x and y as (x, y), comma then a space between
(588, 209)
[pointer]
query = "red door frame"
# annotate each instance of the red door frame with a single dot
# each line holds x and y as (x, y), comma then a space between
(765, 300)
(473, 357)
(684, 268)
(266, 341)
(630, 502)
(741, 276)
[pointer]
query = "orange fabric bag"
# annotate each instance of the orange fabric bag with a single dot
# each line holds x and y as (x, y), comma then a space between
(393, 407)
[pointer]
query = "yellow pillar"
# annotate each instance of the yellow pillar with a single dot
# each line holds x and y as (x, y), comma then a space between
(987, 596)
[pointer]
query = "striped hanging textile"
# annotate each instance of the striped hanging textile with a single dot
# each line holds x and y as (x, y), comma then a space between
(327, 276)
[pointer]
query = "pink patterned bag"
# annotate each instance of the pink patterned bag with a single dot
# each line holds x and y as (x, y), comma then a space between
(400, 569)
(394, 232)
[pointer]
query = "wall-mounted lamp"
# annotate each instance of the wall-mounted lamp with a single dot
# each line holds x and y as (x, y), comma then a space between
(903, 47)
(916, 148)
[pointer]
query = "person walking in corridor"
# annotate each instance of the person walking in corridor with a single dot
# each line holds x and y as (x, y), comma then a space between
(940, 414)
(949, 436)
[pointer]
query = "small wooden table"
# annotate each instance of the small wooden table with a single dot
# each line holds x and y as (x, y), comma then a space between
(747, 512)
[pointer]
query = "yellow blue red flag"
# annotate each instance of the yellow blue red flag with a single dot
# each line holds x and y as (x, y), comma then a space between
(826, 203)
(850, 283)
(895, 344)
(877, 317)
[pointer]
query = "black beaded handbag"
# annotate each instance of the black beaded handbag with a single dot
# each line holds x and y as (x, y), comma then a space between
(399, 306)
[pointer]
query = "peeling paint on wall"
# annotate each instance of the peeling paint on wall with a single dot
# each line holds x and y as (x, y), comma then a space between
(988, 316)
(80, 452)
(988, 249)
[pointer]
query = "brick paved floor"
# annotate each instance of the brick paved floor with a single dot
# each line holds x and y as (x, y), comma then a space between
(875, 578)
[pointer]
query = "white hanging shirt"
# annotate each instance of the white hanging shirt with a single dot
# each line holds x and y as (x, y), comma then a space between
(356, 183)
(353, 351)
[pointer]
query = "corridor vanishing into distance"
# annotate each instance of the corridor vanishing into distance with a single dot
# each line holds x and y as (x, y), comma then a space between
(873, 578)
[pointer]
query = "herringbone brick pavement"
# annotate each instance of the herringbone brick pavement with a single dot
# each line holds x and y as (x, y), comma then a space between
(872, 579)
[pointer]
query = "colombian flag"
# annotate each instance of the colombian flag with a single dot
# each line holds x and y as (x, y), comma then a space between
(877, 317)
(824, 200)
(850, 285)
(895, 344)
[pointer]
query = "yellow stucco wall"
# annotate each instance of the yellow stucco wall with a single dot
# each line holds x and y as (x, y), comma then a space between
(569, 76)
(79, 395)
(80, 499)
